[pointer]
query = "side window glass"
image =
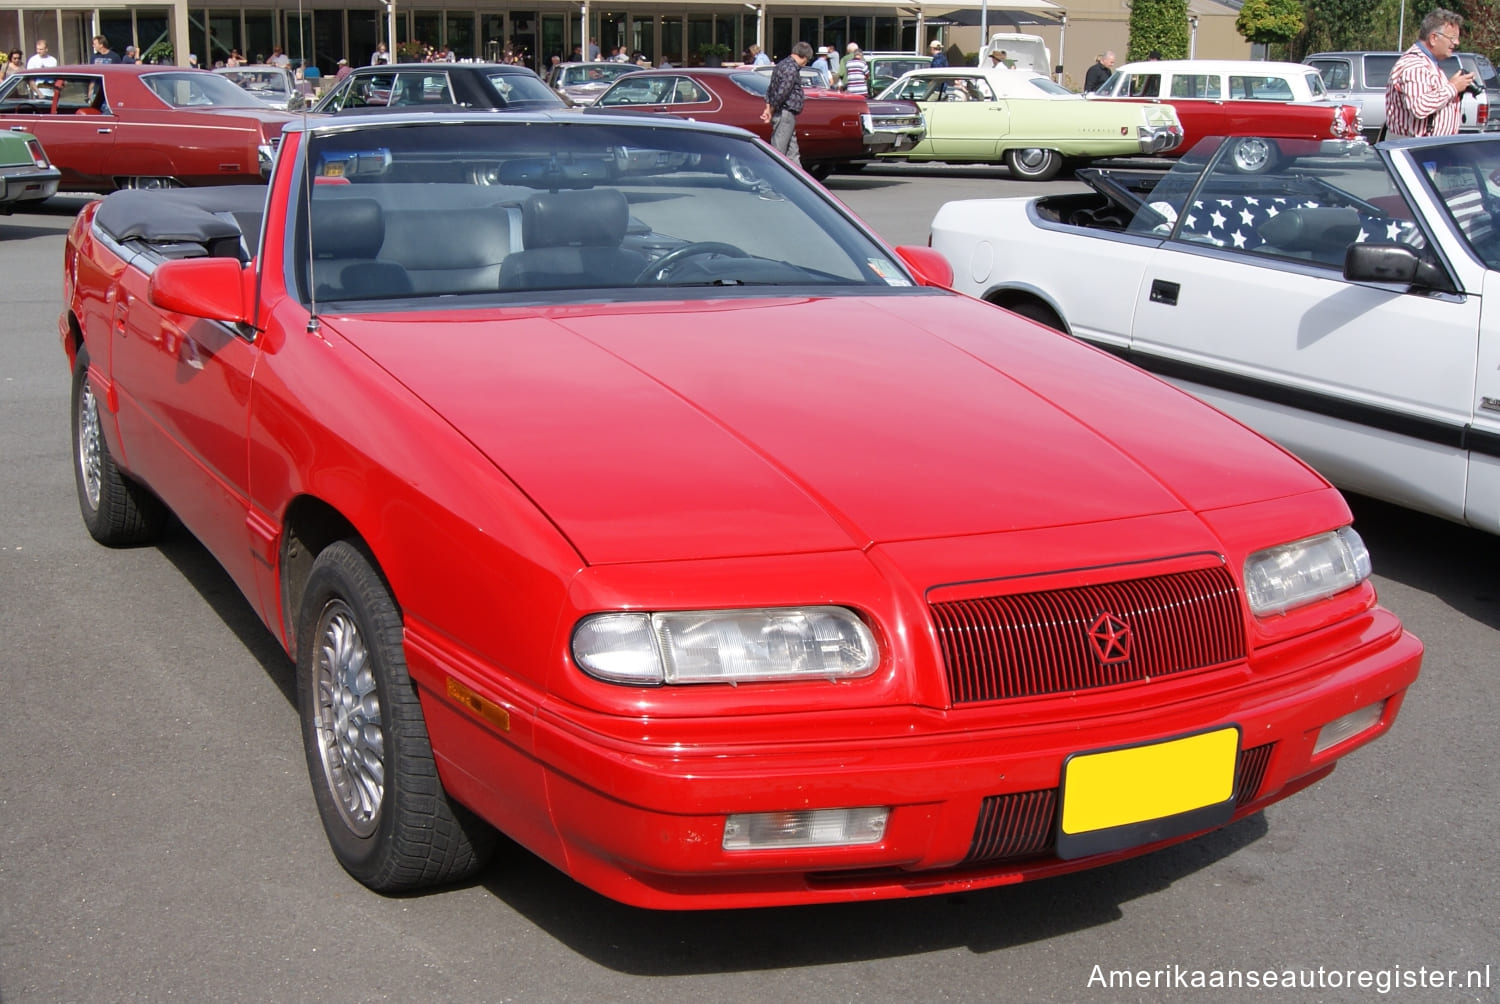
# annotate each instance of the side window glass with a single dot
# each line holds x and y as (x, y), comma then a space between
(1260, 88)
(1145, 85)
(1337, 74)
(1195, 86)
(982, 90)
(1295, 215)
(688, 93)
(1464, 180)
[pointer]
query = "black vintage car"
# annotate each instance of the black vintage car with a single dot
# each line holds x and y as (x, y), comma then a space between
(413, 86)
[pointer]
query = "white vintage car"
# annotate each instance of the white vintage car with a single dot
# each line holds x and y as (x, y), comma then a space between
(1334, 304)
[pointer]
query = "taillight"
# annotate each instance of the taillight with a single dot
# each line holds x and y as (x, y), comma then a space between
(37, 156)
(1482, 113)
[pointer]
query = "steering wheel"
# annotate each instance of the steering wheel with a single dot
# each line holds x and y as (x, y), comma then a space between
(657, 270)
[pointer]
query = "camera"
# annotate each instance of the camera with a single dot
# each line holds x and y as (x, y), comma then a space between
(1475, 88)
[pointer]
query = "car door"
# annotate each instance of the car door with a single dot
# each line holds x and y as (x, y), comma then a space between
(184, 388)
(70, 113)
(964, 119)
(1248, 308)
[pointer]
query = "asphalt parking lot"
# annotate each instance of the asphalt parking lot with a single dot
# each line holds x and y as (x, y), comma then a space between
(158, 837)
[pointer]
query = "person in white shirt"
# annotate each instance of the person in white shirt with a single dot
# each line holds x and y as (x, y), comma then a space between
(380, 56)
(42, 60)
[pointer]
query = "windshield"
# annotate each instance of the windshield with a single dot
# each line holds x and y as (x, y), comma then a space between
(594, 209)
(1463, 176)
(196, 89)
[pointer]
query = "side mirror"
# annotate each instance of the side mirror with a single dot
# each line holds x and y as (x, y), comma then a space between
(215, 288)
(1394, 263)
(930, 267)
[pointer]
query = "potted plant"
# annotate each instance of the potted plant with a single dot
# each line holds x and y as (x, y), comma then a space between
(714, 53)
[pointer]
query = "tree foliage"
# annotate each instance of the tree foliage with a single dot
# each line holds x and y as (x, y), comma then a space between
(1160, 25)
(1270, 22)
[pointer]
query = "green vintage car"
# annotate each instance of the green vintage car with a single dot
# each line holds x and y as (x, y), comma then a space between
(1025, 120)
(26, 175)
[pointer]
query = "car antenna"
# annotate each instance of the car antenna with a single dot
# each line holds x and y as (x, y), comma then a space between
(313, 324)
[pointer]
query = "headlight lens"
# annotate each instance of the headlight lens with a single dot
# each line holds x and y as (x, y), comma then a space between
(1281, 578)
(725, 646)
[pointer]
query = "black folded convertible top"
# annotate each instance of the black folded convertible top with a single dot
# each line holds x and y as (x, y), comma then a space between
(193, 215)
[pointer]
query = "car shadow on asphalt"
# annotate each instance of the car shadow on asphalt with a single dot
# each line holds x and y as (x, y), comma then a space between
(204, 573)
(1451, 562)
(640, 942)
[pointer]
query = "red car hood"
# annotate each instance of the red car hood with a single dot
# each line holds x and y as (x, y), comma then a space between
(653, 432)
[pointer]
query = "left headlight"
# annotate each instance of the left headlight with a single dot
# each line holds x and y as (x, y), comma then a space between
(1281, 578)
(725, 646)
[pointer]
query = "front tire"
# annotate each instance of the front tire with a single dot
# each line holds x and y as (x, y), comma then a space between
(388, 820)
(117, 511)
(1033, 164)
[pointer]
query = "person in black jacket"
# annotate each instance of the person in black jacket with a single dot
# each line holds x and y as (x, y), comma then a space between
(1099, 72)
(784, 100)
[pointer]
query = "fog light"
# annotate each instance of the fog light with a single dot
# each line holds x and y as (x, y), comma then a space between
(805, 828)
(1348, 727)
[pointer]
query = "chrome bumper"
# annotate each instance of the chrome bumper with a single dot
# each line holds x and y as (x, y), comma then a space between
(885, 134)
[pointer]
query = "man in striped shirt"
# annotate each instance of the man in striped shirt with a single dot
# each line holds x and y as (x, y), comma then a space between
(1419, 100)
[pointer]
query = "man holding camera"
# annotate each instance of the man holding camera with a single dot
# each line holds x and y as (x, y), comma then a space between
(1419, 100)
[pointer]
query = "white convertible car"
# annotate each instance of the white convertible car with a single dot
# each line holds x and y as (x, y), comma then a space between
(1335, 304)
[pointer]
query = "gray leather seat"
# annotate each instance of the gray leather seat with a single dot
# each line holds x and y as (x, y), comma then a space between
(347, 235)
(571, 240)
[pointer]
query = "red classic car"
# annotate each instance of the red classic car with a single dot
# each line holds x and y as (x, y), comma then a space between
(141, 126)
(1279, 110)
(708, 547)
(833, 128)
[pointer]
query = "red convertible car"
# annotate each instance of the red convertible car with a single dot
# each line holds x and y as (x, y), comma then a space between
(833, 128)
(697, 540)
(142, 126)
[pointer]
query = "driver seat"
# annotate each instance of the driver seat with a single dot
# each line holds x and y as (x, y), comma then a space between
(571, 240)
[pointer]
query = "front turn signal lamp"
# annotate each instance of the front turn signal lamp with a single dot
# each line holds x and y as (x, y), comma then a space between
(748, 831)
(725, 646)
(1292, 575)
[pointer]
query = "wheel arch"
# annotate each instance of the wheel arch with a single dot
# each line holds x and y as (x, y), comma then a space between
(1020, 298)
(309, 527)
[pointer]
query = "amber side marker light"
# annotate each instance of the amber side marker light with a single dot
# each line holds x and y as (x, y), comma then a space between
(750, 831)
(1349, 726)
(481, 708)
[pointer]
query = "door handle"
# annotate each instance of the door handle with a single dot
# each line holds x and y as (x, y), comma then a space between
(1165, 292)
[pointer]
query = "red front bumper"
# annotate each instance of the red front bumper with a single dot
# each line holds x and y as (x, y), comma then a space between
(643, 821)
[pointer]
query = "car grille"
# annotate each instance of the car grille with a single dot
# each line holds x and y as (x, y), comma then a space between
(1021, 645)
(1024, 824)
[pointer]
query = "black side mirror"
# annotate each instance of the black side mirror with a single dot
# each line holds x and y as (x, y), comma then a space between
(1367, 262)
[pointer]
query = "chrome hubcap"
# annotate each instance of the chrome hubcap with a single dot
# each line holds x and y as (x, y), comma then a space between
(1252, 155)
(1031, 160)
(348, 720)
(90, 450)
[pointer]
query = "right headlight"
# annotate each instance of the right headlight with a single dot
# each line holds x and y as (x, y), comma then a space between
(725, 646)
(1287, 576)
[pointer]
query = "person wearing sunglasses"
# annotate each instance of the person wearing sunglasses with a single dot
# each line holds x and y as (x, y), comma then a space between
(1419, 99)
(14, 64)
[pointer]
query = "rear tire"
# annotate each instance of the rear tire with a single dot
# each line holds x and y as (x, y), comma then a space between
(1037, 311)
(388, 820)
(1033, 164)
(1254, 155)
(117, 511)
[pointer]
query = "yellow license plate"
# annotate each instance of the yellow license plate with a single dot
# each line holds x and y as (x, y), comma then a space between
(1127, 786)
